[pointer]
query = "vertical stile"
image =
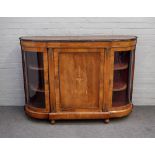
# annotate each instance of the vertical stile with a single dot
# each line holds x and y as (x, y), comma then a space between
(56, 77)
(51, 79)
(108, 83)
(46, 80)
(101, 89)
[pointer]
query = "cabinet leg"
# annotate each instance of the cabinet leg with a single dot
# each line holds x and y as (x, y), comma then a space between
(106, 121)
(52, 122)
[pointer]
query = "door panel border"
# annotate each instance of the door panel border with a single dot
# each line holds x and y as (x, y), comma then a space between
(54, 60)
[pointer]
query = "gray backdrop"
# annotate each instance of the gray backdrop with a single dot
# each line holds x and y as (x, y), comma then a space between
(11, 80)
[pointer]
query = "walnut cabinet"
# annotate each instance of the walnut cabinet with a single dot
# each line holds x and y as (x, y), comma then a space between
(78, 77)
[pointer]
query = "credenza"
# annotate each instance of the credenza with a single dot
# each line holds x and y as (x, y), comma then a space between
(78, 77)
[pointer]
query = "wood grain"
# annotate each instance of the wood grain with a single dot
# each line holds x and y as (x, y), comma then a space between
(79, 75)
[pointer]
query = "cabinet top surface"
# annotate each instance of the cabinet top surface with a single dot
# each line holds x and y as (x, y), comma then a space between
(78, 38)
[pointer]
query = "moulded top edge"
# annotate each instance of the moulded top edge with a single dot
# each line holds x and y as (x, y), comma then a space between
(92, 38)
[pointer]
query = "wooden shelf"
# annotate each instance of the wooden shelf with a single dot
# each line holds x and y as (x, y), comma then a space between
(119, 86)
(37, 89)
(120, 66)
(35, 68)
(119, 104)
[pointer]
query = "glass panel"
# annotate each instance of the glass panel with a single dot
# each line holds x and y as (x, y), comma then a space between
(122, 84)
(35, 78)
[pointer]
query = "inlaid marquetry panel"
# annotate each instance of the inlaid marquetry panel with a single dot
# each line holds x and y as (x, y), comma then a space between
(79, 79)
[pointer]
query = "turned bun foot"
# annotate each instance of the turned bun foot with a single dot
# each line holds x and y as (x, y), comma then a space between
(52, 122)
(106, 121)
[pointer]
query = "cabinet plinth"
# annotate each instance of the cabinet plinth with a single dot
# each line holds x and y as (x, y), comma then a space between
(87, 77)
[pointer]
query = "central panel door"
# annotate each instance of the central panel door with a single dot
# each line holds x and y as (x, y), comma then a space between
(79, 76)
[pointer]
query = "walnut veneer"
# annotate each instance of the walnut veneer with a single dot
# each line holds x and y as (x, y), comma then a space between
(78, 77)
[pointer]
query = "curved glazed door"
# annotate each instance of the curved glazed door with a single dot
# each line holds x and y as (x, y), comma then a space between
(78, 79)
(36, 78)
(123, 76)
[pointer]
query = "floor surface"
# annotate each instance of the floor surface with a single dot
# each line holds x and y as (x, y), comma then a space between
(140, 123)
